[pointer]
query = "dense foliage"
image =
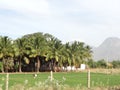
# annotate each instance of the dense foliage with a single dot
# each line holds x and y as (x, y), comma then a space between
(40, 52)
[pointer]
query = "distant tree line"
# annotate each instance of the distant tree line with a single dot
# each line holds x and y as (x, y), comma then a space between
(41, 52)
(103, 64)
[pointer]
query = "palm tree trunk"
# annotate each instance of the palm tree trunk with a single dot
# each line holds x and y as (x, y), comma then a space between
(38, 64)
(2, 65)
(20, 65)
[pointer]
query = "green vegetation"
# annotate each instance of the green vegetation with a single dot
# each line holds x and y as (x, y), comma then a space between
(44, 52)
(72, 79)
(103, 64)
(40, 52)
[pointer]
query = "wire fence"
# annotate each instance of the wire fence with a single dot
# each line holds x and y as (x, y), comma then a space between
(86, 79)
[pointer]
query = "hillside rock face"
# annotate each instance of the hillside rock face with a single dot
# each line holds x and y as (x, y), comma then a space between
(108, 50)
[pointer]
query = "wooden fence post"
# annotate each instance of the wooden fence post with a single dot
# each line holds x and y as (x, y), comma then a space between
(51, 75)
(88, 78)
(7, 81)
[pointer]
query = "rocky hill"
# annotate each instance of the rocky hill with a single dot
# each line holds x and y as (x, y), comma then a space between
(108, 50)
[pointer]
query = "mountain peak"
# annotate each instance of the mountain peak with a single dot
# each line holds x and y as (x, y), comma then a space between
(112, 41)
(109, 49)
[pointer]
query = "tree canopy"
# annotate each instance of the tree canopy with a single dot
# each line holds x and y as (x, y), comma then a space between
(39, 51)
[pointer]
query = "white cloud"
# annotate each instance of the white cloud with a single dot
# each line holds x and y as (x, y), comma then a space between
(100, 5)
(26, 6)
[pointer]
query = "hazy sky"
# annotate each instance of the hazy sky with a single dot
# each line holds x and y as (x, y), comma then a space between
(90, 21)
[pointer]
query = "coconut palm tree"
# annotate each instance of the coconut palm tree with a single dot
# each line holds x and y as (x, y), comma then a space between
(6, 50)
(54, 51)
(88, 51)
(38, 49)
(71, 49)
(20, 48)
(77, 53)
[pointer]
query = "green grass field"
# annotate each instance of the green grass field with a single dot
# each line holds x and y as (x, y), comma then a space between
(69, 78)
